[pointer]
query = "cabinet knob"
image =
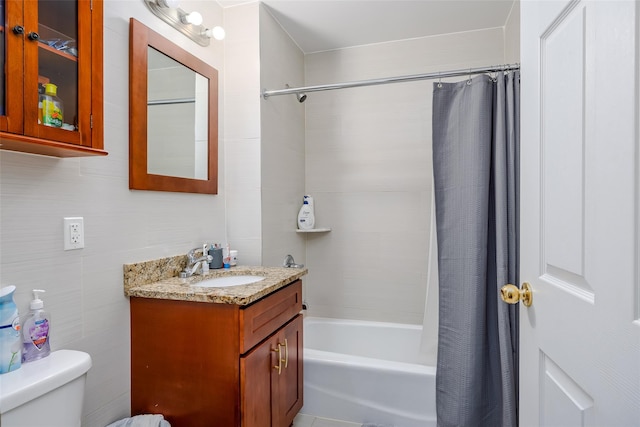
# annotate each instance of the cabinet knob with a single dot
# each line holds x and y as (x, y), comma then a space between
(18, 29)
(33, 36)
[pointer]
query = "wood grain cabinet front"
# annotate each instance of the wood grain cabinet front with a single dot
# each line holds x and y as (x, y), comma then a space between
(271, 379)
(52, 48)
(207, 364)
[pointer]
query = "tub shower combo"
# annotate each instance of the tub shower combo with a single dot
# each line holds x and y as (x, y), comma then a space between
(377, 373)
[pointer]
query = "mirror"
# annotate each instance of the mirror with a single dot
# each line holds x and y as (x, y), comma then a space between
(173, 116)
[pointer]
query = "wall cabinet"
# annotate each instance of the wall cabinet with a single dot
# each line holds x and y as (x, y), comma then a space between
(56, 42)
(204, 364)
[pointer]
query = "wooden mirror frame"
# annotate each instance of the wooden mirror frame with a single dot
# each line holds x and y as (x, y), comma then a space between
(140, 38)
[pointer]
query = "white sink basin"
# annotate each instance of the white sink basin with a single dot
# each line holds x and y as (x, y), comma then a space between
(226, 281)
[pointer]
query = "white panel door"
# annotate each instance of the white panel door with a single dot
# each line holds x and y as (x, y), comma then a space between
(580, 340)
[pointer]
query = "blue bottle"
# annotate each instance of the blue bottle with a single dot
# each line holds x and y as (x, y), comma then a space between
(10, 340)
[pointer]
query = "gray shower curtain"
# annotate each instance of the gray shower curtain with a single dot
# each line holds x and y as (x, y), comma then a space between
(476, 139)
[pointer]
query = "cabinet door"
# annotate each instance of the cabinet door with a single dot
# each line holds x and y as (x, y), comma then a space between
(255, 378)
(287, 386)
(271, 379)
(56, 49)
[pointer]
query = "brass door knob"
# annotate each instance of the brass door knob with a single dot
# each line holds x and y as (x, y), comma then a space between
(511, 294)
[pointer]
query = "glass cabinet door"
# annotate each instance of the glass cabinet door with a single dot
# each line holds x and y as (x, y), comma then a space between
(51, 44)
(58, 64)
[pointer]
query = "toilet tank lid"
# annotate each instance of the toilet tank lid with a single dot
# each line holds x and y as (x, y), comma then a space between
(34, 379)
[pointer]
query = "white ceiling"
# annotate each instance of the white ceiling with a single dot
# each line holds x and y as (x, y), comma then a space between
(318, 25)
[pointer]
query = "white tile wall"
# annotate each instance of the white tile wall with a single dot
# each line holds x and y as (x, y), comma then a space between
(84, 287)
(242, 130)
(282, 150)
(368, 166)
(512, 35)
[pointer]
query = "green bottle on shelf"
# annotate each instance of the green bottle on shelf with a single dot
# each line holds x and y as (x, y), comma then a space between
(52, 110)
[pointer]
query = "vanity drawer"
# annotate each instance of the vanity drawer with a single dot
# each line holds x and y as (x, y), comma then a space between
(265, 316)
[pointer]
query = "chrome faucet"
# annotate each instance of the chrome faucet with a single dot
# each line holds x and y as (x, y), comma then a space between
(194, 265)
(290, 263)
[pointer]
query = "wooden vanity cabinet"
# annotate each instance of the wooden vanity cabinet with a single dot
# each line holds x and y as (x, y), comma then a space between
(58, 42)
(223, 365)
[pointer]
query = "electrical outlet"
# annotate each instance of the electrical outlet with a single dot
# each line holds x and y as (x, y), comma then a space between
(73, 233)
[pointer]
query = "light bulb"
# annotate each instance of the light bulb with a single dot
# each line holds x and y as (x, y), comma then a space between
(217, 33)
(194, 18)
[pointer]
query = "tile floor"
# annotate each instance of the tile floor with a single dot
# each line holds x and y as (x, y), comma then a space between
(303, 420)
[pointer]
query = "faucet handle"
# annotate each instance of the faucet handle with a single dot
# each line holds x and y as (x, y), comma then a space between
(290, 263)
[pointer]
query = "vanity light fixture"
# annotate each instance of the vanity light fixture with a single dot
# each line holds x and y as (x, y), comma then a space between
(188, 23)
(173, 4)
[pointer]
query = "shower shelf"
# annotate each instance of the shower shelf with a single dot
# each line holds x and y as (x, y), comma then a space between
(314, 230)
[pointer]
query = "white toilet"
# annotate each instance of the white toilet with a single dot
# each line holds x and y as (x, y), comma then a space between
(48, 392)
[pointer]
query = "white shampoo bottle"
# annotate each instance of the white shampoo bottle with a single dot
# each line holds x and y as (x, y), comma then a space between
(306, 217)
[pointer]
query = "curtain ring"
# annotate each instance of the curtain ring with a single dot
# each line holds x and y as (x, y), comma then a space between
(469, 77)
(439, 81)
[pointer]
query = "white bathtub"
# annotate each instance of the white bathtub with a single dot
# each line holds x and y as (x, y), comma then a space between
(367, 372)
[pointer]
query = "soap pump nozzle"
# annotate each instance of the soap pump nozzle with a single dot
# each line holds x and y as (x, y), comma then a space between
(36, 303)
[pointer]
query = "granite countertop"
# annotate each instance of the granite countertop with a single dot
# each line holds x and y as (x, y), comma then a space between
(138, 284)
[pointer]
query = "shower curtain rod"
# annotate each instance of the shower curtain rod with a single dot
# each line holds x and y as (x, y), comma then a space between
(385, 80)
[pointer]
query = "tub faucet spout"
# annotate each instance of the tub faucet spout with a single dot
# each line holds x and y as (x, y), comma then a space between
(290, 263)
